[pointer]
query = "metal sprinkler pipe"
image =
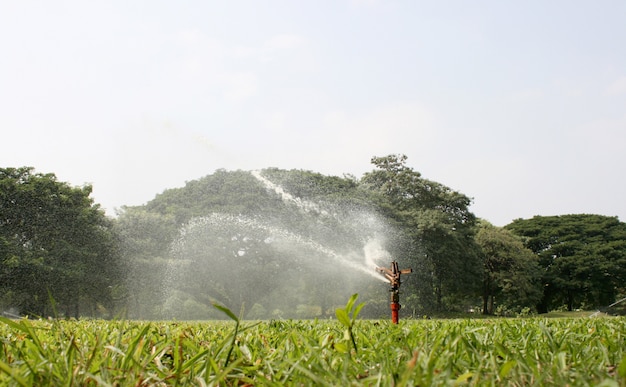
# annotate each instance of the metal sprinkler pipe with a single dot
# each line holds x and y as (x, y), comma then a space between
(393, 275)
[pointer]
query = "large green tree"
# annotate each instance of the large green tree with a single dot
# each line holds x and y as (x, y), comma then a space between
(266, 242)
(437, 229)
(583, 257)
(511, 271)
(55, 244)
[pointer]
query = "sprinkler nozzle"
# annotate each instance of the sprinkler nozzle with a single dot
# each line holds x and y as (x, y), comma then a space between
(393, 275)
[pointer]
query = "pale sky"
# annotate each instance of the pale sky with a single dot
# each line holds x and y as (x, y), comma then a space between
(520, 105)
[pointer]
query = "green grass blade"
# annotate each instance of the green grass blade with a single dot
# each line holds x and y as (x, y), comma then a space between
(226, 311)
(130, 351)
(4, 367)
(351, 302)
(355, 314)
(342, 316)
(621, 369)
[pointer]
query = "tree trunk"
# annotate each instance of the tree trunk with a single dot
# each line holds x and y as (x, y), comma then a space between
(438, 295)
(485, 296)
(570, 300)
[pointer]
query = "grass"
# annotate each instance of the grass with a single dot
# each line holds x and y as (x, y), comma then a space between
(491, 352)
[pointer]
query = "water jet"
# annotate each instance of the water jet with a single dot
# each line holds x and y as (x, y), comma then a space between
(292, 257)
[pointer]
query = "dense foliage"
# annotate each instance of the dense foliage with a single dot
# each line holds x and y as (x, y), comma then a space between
(511, 271)
(517, 352)
(55, 246)
(437, 232)
(583, 258)
(231, 237)
(227, 237)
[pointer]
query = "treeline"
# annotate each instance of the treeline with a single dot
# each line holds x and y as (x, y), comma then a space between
(283, 244)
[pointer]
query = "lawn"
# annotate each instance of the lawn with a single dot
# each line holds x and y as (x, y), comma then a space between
(348, 351)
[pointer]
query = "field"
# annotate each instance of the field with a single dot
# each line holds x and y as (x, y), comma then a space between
(342, 352)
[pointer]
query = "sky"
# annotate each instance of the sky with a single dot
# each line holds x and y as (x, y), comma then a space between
(520, 105)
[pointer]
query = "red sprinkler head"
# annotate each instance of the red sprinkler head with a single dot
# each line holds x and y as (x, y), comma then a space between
(393, 275)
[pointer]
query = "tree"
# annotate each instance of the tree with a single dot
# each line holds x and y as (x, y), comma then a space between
(55, 242)
(511, 271)
(269, 240)
(583, 258)
(438, 228)
(145, 239)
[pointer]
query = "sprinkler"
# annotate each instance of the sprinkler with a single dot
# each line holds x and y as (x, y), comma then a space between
(393, 275)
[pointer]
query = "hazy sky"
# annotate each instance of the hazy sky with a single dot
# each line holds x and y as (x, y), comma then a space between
(518, 104)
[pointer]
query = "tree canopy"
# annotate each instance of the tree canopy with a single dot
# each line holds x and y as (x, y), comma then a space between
(511, 271)
(267, 242)
(438, 229)
(583, 258)
(55, 244)
(245, 224)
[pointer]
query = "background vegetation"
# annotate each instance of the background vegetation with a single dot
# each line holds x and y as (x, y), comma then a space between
(59, 253)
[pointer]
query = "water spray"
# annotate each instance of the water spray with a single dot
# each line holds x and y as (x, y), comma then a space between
(393, 275)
